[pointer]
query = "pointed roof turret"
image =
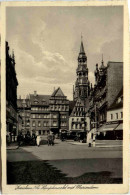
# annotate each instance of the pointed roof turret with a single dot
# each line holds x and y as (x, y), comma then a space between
(82, 48)
(82, 56)
(102, 63)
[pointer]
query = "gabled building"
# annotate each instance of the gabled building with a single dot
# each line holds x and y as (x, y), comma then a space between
(59, 111)
(77, 119)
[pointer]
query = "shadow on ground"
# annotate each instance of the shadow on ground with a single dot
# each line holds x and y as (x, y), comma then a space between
(40, 172)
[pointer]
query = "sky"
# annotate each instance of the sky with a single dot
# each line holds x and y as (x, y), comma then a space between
(46, 42)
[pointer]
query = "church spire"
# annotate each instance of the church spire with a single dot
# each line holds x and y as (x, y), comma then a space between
(82, 46)
(102, 63)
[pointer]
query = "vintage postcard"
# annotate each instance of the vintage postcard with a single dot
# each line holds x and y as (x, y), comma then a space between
(65, 97)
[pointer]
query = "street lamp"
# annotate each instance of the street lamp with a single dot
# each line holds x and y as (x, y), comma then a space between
(84, 114)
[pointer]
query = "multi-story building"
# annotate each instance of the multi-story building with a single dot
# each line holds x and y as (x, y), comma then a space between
(114, 125)
(24, 111)
(59, 111)
(109, 81)
(49, 112)
(11, 94)
(40, 114)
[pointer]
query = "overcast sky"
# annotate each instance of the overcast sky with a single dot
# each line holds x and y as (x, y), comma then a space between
(46, 43)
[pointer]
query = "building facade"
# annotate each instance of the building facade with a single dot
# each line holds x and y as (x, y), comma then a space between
(44, 113)
(11, 94)
(115, 117)
(59, 111)
(108, 83)
(24, 112)
(40, 114)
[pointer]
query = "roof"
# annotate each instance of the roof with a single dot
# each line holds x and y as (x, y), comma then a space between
(39, 99)
(22, 102)
(82, 48)
(78, 103)
(71, 106)
(115, 63)
(58, 92)
(117, 104)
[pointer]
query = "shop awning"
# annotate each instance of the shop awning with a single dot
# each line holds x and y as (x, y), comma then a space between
(119, 127)
(107, 127)
(110, 127)
(100, 129)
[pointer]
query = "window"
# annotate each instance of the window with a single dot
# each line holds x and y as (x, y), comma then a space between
(116, 115)
(121, 114)
(39, 116)
(111, 116)
(28, 122)
(54, 116)
(39, 124)
(27, 114)
(33, 123)
(63, 124)
(45, 124)
(33, 116)
(54, 123)
(72, 119)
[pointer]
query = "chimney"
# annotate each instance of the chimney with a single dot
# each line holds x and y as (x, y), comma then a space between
(35, 93)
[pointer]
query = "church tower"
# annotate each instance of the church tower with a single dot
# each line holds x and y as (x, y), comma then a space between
(82, 85)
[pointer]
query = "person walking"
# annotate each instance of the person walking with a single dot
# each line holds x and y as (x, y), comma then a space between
(38, 140)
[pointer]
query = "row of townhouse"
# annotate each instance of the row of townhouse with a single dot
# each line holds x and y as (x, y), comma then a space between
(44, 113)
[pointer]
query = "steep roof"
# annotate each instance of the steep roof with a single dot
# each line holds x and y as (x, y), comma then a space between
(71, 106)
(39, 99)
(118, 103)
(82, 48)
(58, 92)
(79, 103)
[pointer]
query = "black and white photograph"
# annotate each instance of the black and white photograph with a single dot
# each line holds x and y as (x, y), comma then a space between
(64, 85)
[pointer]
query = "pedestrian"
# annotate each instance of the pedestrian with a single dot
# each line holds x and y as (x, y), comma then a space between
(38, 140)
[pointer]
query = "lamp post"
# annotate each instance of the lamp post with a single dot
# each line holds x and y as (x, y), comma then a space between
(84, 113)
